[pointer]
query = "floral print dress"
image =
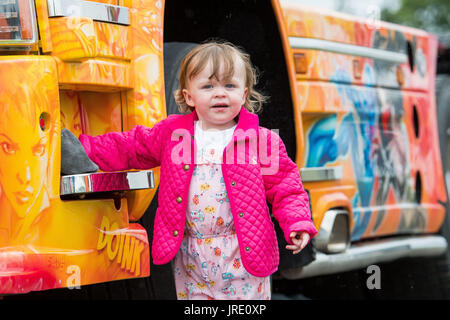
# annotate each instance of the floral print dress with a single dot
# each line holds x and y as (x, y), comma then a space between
(208, 264)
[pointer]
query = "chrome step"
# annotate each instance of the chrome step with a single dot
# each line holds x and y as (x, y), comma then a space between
(81, 184)
(367, 253)
(95, 10)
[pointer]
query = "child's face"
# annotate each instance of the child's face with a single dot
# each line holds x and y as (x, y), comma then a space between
(217, 102)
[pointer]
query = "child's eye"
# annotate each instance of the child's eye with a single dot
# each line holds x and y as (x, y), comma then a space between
(229, 85)
(207, 86)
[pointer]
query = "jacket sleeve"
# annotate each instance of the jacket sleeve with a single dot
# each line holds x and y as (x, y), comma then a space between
(139, 148)
(284, 189)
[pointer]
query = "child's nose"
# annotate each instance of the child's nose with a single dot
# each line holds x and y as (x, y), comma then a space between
(220, 91)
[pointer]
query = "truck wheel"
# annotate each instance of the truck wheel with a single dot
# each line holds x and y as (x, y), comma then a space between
(174, 52)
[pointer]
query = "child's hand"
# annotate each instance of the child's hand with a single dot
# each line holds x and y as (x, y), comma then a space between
(299, 240)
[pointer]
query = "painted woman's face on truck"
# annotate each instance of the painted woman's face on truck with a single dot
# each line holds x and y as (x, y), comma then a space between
(28, 153)
(24, 159)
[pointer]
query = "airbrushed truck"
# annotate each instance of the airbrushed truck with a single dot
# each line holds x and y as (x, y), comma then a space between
(353, 100)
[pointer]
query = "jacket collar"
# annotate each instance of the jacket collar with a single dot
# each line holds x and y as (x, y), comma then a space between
(246, 121)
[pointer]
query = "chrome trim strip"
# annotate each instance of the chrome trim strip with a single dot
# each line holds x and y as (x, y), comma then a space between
(349, 49)
(106, 182)
(323, 238)
(321, 173)
(22, 44)
(89, 9)
(363, 255)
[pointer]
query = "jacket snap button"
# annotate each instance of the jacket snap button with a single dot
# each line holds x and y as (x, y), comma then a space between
(241, 214)
(233, 183)
(179, 199)
(175, 233)
(247, 249)
(186, 167)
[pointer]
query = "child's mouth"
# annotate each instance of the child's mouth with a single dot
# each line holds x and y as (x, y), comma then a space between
(220, 106)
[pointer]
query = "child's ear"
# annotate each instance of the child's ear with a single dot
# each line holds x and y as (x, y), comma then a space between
(188, 98)
(244, 97)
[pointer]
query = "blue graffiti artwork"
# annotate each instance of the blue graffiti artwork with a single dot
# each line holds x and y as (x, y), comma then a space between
(328, 140)
(323, 146)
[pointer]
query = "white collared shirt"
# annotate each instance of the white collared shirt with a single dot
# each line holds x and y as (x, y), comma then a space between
(211, 143)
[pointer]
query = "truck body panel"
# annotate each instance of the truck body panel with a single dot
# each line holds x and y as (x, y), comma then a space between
(358, 98)
(95, 77)
(363, 111)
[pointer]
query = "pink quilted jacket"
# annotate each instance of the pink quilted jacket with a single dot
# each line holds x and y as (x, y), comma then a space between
(256, 168)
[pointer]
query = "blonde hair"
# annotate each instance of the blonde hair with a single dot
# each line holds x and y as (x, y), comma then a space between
(220, 54)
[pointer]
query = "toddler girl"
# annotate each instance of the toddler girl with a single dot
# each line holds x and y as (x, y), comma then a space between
(218, 169)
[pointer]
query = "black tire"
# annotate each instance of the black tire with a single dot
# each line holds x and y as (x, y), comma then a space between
(174, 52)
